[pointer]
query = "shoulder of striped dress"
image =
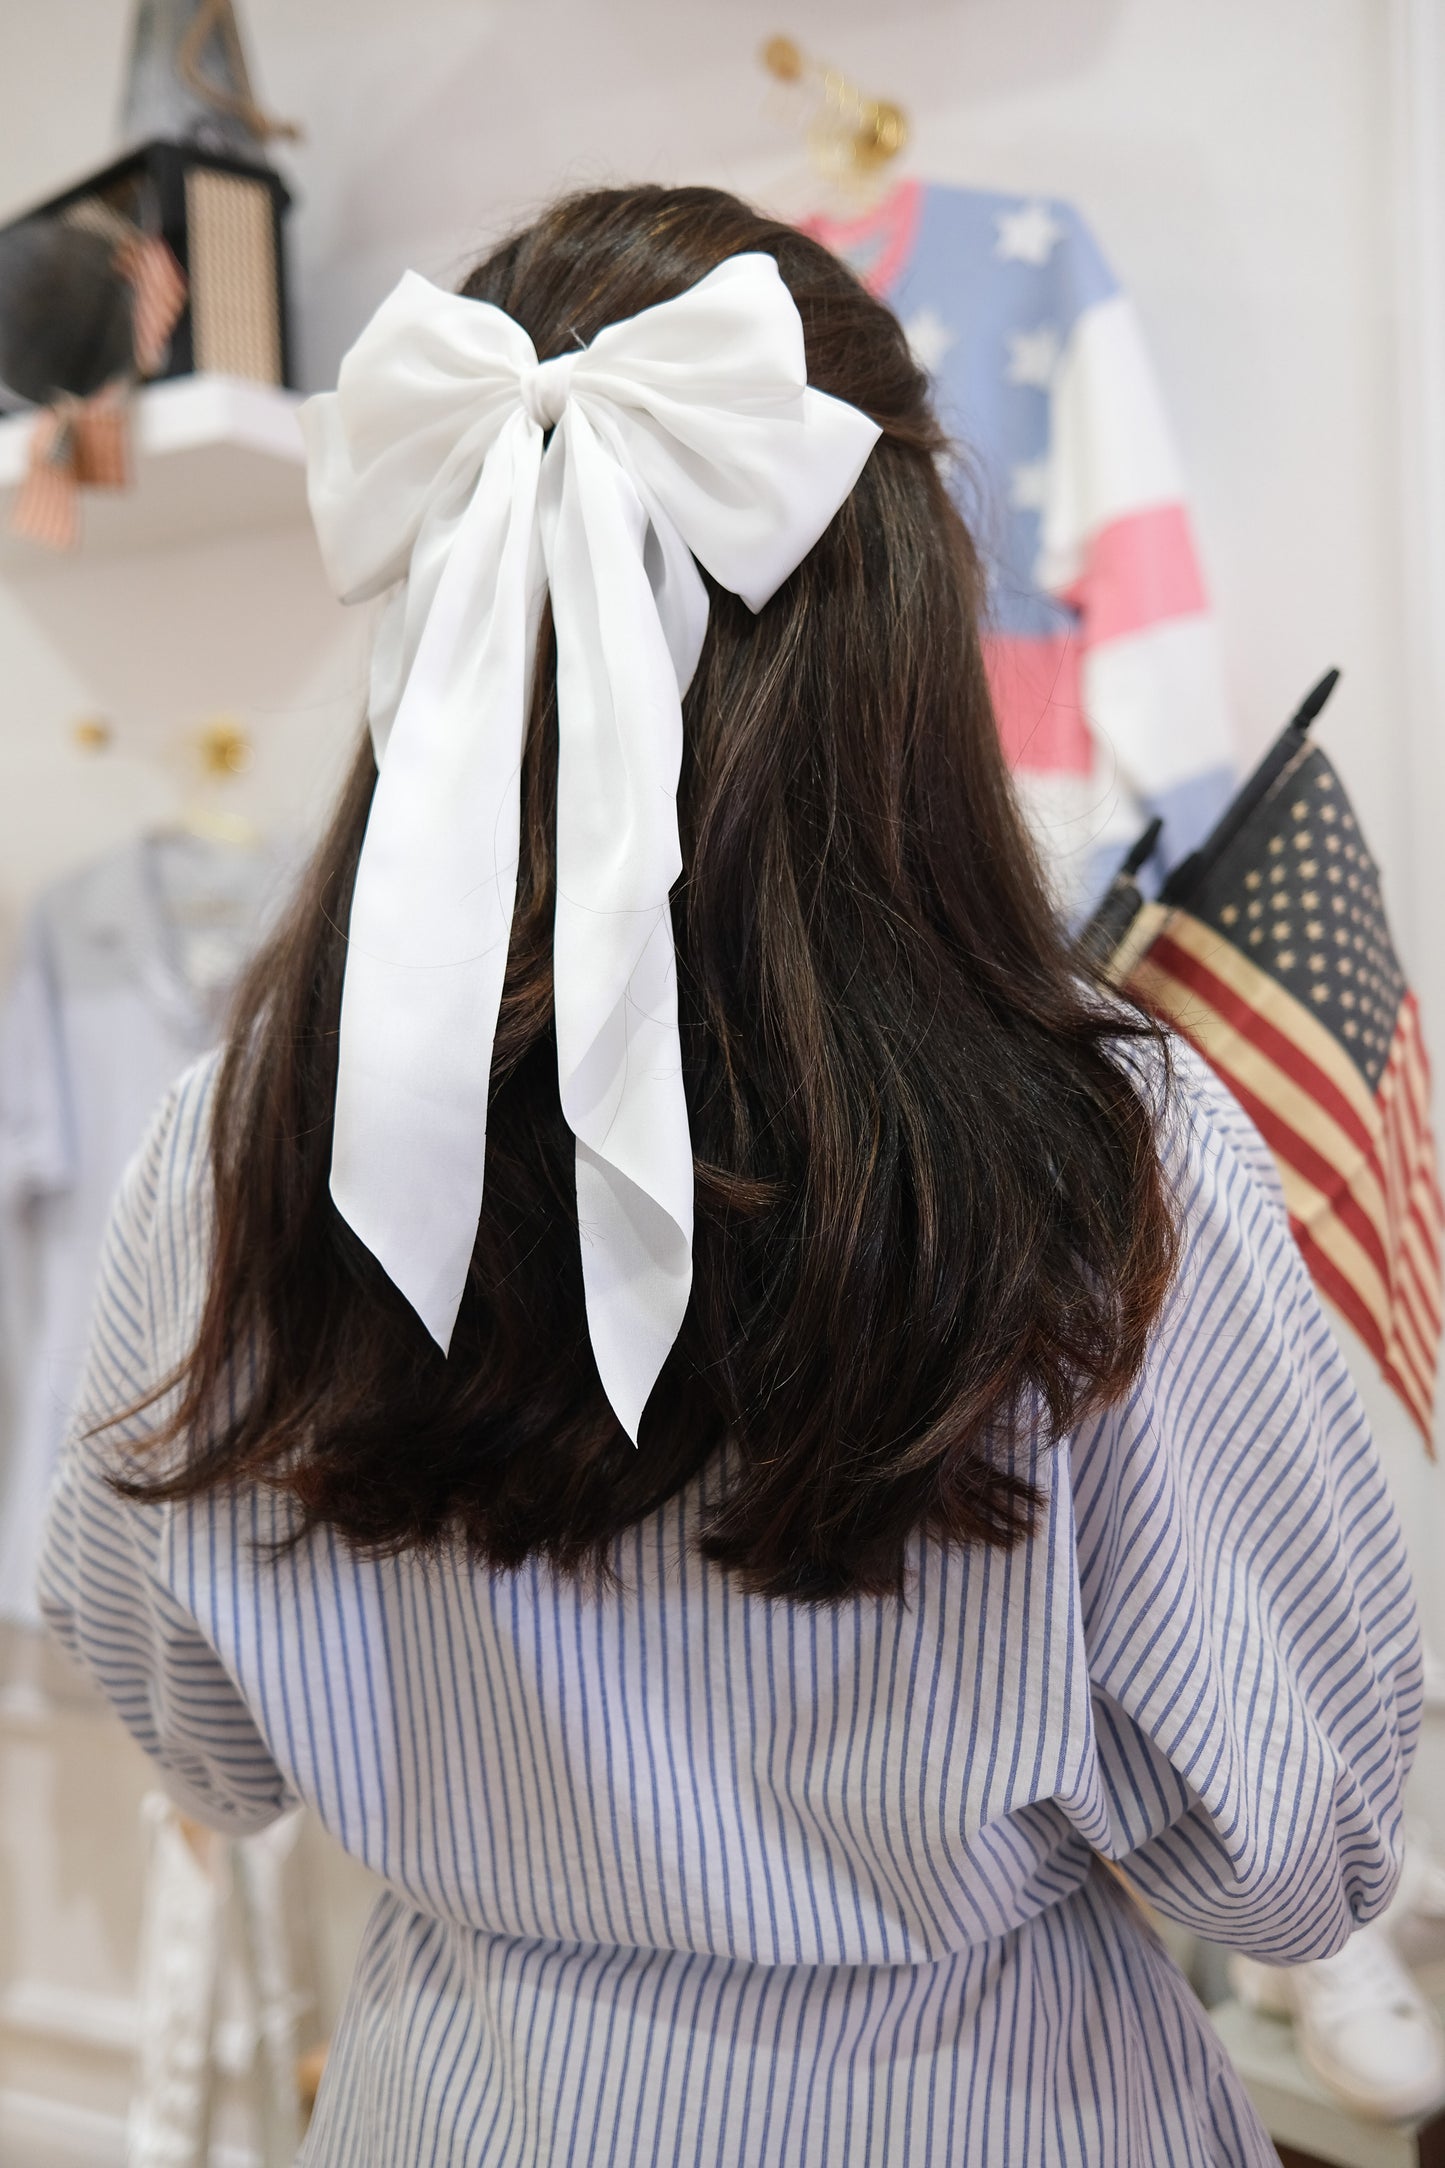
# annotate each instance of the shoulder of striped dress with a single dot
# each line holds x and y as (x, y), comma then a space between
(161, 1221)
(1206, 1140)
(178, 1141)
(1208, 1143)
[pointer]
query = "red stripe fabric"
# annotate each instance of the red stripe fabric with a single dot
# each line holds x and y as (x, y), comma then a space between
(1423, 1220)
(1417, 1389)
(1341, 1291)
(1414, 1298)
(879, 242)
(1282, 1051)
(1337, 1289)
(1037, 703)
(1283, 1139)
(1139, 571)
(1286, 1143)
(1400, 1156)
(46, 508)
(1421, 1410)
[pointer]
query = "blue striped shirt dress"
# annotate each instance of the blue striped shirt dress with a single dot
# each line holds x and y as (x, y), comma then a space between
(674, 1874)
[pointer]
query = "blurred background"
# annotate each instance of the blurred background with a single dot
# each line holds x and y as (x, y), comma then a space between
(1258, 180)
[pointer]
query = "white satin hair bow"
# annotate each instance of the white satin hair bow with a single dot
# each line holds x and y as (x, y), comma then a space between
(688, 431)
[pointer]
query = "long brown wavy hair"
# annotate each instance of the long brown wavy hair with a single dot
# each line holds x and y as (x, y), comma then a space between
(932, 1230)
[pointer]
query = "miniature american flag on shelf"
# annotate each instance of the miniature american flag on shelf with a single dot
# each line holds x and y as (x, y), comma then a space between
(1269, 951)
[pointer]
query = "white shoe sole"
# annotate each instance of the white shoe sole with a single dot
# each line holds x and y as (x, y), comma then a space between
(1268, 1990)
(1402, 2106)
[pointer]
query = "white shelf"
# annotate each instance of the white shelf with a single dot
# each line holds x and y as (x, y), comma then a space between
(1295, 2108)
(213, 456)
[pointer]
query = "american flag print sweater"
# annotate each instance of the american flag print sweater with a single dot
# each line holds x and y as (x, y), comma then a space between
(1103, 655)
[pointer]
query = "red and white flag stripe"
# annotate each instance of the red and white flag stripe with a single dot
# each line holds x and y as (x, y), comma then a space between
(1358, 1167)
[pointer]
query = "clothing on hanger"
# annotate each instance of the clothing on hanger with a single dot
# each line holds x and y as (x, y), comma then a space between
(122, 981)
(1102, 653)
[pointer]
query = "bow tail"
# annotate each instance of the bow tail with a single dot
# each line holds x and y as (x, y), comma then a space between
(431, 914)
(619, 1056)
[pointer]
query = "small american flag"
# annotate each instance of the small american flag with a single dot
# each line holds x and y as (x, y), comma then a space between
(76, 441)
(1269, 951)
(86, 441)
(158, 295)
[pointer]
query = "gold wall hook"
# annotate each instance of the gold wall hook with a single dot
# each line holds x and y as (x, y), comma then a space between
(783, 58)
(224, 746)
(848, 129)
(884, 133)
(92, 734)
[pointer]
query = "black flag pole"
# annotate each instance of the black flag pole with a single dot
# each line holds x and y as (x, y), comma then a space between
(1137, 858)
(1313, 701)
(1288, 746)
(1099, 941)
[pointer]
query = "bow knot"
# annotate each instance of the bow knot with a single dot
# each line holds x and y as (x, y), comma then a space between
(545, 388)
(699, 440)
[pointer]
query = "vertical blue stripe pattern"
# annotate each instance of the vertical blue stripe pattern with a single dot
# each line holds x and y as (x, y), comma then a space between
(678, 1875)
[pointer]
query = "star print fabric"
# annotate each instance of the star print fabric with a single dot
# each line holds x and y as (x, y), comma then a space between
(1312, 917)
(1102, 653)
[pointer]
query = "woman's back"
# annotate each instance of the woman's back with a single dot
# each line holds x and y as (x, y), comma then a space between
(680, 1873)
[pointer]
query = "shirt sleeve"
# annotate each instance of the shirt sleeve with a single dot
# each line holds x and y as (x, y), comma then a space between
(37, 1153)
(101, 1592)
(1252, 1647)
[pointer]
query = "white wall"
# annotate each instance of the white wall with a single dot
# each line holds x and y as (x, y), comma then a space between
(1234, 158)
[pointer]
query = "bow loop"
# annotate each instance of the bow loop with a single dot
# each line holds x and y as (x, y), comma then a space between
(687, 432)
(545, 388)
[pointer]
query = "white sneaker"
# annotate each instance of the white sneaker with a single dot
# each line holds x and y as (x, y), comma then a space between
(1361, 2024)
